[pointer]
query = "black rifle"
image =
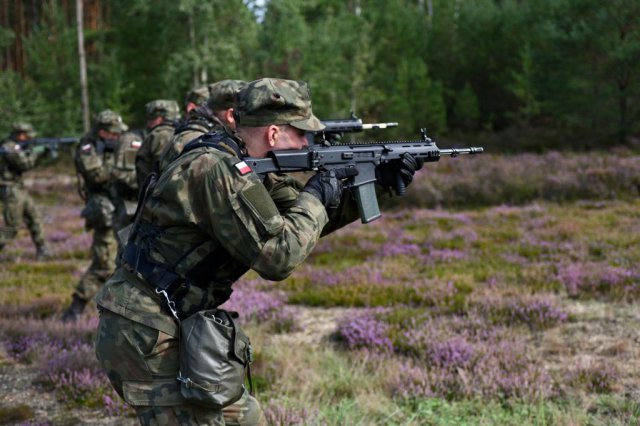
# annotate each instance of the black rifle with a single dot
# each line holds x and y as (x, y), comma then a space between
(51, 144)
(365, 157)
(334, 129)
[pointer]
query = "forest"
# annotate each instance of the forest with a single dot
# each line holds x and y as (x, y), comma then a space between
(514, 75)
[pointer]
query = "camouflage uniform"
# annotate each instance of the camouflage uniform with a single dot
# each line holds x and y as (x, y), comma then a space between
(208, 220)
(17, 203)
(157, 138)
(202, 119)
(195, 97)
(124, 183)
(94, 160)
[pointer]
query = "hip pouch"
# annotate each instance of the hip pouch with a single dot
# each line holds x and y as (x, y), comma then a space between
(98, 213)
(214, 356)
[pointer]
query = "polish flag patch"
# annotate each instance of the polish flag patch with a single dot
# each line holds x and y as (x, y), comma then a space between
(86, 147)
(243, 168)
(136, 144)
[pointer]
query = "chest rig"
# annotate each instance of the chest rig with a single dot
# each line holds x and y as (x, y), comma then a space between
(195, 281)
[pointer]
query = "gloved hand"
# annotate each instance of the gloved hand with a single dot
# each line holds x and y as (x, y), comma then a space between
(327, 186)
(398, 174)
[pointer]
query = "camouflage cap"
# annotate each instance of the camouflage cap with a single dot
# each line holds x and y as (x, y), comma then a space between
(23, 127)
(168, 109)
(223, 93)
(275, 101)
(110, 121)
(197, 95)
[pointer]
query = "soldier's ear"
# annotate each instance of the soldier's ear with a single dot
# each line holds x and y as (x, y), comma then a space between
(273, 133)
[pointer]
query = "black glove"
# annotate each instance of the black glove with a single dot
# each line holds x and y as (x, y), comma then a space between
(398, 174)
(327, 186)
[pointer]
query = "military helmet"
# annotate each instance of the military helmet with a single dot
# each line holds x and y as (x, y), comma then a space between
(168, 109)
(197, 95)
(275, 101)
(23, 127)
(223, 94)
(110, 121)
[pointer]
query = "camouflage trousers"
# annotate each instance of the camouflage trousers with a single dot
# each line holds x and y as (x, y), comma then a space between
(18, 206)
(142, 364)
(103, 263)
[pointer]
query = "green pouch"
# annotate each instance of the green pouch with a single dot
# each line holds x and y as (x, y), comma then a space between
(214, 356)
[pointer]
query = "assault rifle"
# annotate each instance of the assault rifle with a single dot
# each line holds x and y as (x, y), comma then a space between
(365, 157)
(333, 130)
(50, 144)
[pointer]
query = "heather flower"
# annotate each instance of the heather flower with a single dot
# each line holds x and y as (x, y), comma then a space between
(364, 330)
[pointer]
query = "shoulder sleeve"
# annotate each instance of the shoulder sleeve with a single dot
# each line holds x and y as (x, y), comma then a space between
(18, 158)
(243, 217)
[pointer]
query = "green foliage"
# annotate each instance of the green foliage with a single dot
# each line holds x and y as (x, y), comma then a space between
(511, 75)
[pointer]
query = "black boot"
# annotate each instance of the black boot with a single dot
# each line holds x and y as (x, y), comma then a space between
(42, 253)
(74, 310)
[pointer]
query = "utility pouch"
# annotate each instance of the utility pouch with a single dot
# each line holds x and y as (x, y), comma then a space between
(98, 213)
(214, 355)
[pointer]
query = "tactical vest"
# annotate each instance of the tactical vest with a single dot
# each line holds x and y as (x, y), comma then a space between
(194, 273)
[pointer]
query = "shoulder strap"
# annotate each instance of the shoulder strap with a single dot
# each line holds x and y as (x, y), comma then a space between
(219, 140)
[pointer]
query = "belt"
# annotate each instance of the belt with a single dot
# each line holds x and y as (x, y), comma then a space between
(157, 276)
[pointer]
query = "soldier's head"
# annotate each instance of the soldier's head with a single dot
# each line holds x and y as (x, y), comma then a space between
(273, 114)
(22, 131)
(109, 125)
(222, 99)
(161, 110)
(195, 97)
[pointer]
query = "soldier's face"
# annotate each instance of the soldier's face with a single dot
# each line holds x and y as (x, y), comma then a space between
(22, 137)
(290, 137)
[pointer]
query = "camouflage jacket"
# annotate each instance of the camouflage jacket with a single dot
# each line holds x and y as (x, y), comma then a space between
(124, 183)
(94, 161)
(14, 161)
(209, 220)
(149, 154)
(192, 129)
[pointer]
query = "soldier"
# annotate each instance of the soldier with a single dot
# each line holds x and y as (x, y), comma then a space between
(195, 97)
(216, 113)
(124, 183)
(207, 221)
(18, 204)
(94, 159)
(162, 117)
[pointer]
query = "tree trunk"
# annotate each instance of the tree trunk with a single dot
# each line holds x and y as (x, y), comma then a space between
(83, 67)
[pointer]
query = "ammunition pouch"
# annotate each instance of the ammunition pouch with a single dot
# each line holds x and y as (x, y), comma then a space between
(98, 213)
(214, 356)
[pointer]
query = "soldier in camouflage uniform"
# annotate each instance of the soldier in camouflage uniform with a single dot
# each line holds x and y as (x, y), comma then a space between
(207, 221)
(162, 117)
(18, 204)
(195, 97)
(216, 113)
(94, 160)
(124, 183)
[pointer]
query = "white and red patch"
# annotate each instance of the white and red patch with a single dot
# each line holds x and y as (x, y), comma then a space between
(243, 168)
(86, 147)
(136, 144)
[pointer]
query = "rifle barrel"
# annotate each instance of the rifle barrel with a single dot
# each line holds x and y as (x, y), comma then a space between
(369, 126)
(454, 152)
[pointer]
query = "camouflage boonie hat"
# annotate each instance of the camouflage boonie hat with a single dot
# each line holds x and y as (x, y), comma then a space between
(110, 121)
(22, 127)
(276, 101)
(168, 109)
(223, 93)
(197, 95)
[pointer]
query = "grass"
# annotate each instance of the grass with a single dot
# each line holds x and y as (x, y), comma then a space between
(497, 314)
